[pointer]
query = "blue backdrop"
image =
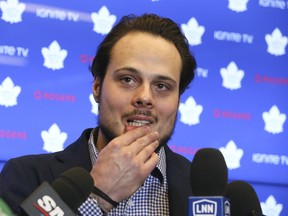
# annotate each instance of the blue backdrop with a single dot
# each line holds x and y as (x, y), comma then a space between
(237, 103)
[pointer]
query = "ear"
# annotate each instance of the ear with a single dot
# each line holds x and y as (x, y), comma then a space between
(96, 89)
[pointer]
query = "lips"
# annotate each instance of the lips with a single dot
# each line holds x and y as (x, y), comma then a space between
(138, 121)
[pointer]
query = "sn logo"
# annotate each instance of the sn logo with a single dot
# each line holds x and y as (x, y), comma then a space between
(204, 207)
(48, 205)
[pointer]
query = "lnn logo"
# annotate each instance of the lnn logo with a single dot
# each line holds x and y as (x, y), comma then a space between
(204, 207)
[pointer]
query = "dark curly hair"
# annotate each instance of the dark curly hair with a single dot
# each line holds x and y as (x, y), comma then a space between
(152, 24)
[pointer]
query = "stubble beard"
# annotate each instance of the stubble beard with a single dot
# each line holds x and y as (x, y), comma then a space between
(109, 134)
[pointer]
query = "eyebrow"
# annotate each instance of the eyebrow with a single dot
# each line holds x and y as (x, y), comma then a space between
(134, 70)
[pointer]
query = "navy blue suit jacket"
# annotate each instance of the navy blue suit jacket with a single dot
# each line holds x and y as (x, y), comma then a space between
(21, 176)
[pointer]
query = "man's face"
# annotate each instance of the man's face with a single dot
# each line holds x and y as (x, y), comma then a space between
(141, 87)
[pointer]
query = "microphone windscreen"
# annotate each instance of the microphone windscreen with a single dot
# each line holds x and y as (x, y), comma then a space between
(208, 174)
(243, 199)
(74, 186)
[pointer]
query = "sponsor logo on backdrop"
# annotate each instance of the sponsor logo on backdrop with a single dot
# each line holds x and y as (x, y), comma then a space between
(103, 20)
(274, 120)
(238, 5)
(183, 149)
(271, 207)
(231, 76)
(53, 139)
(190, 112)
(232, 155)
(280, 4)
(94, 105)
(54, 56)
(11, 134)
(13, 55)
(276, 42)
(272, 159)
(12, 11)
(62, 15)
(218, 113)
(14, 51)
(233, 37)
(193, 32)
(272, 80)
(9, 93)
(85, 58)
(40, 95)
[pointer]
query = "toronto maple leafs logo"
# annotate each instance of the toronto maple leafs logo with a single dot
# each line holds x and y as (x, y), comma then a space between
(54, 56)
(238, 5)
(271, 207)
(9, 93)
(53, 139)
(12, 11)
(94, 105)
(103, 20)
(190, 112)
(276, 43)
(231, 76)
(232, 155)
(274, 120)
(193, 32)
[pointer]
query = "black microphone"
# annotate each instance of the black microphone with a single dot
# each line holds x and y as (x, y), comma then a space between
(63, 197)
(243, 199)
(209, 178)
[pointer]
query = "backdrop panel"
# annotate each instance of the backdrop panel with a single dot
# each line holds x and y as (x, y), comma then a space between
(237, 103)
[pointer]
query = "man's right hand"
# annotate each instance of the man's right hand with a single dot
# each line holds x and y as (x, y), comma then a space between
(124, 164)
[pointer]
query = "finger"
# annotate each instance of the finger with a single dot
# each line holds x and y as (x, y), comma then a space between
(145, 154)
(132, 135)
(151, 163)
(142, 142)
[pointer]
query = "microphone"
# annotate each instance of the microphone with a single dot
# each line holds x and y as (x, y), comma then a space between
(209, 178)
(4, 209)
(63, 197)
(243, 199)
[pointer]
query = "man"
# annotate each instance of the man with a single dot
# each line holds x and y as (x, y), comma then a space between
(140, 70)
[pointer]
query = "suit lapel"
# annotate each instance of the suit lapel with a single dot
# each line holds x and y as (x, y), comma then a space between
(179, 188)
(76, 154)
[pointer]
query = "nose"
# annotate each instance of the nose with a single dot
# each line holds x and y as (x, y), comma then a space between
(143, 97)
